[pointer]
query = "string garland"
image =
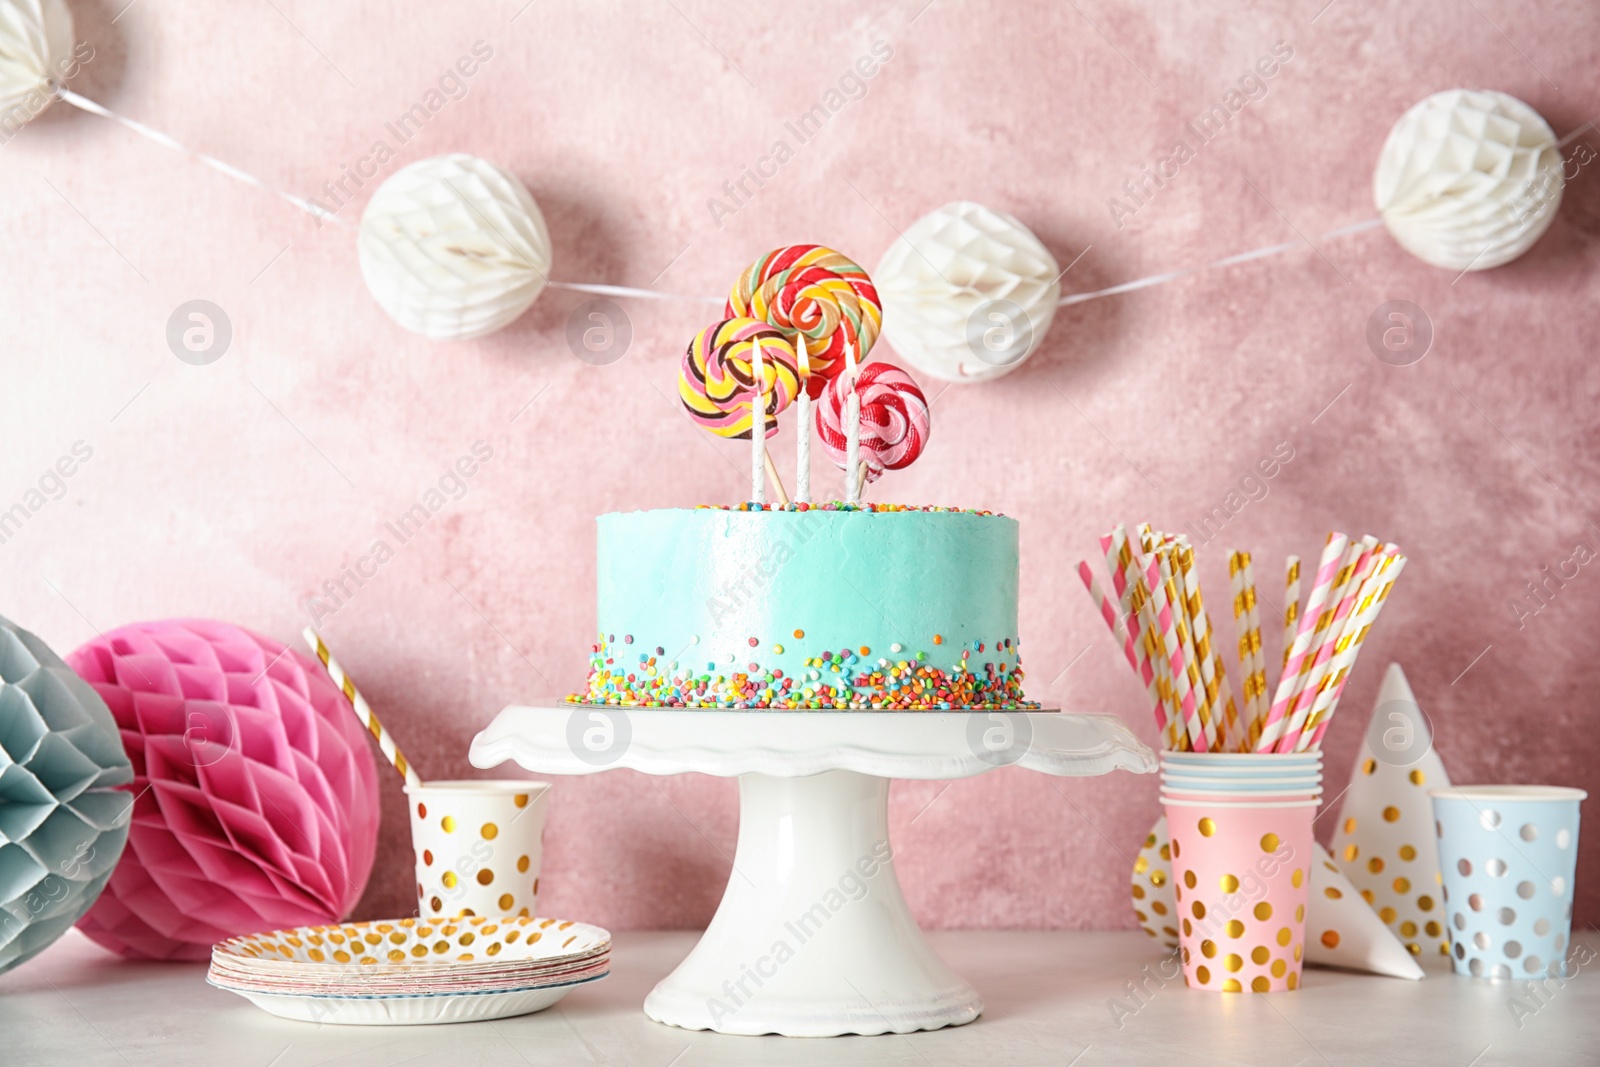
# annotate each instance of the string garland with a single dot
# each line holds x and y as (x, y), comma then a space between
(322, 214)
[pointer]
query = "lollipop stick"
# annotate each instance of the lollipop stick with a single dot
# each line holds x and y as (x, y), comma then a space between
(758, 427)
(861, 480)
(802, 443)
(777, 482)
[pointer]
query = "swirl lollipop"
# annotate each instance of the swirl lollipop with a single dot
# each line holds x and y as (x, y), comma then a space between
(815, 291)
(827, 304)
(726, 366)
(893, 424)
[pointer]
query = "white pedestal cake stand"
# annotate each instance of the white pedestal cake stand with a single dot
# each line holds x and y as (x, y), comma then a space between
(813, 937)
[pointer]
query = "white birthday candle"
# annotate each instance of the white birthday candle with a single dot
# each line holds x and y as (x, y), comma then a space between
(802, 443)
(852, 431)
(758, 427)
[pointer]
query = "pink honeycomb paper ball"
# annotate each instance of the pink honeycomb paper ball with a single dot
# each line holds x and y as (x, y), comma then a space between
(256, 795)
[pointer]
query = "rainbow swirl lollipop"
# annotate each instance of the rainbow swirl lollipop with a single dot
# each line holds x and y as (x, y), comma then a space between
(717, 384)
(816, 291)
(894, 419)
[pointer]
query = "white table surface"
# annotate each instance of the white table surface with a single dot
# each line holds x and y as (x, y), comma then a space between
(1046, 996)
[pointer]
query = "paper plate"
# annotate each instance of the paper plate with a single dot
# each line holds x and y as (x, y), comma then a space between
(411, 946)
(410, 1010)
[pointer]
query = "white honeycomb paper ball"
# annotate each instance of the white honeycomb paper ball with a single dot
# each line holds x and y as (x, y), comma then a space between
(1469, 180)
(453, 247)
(968, 293)
(35, 46)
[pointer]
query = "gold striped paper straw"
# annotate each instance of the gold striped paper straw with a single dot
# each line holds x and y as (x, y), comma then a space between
(1252, 663)
(386, 745)
(1213, 673)
(1291, 606)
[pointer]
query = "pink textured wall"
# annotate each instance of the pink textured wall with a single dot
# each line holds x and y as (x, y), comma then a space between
(236, 489)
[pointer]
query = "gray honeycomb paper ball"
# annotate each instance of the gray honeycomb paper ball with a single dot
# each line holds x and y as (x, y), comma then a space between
(63, 816)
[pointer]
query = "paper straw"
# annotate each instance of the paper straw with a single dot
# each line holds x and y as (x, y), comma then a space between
(1154, 596)
(1327, 570)
(1213, 671)
(1178, 595)
(1252, 664)
(852, 431)
(802, 410)
(758, 426)
(1291, 605)
(1133, 596)
(386, 745)
(1258, 679)
(1371, 603)
(1124, 637)
(1356, 564)
(1162, 596)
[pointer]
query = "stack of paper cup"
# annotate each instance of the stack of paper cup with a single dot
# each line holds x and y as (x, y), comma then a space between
(1508, 854)
(1241, 859)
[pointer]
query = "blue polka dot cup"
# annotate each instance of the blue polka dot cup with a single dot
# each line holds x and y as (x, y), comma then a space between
(1507, 856)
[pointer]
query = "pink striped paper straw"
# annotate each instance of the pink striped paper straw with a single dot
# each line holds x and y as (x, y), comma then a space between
(1327, 570)
(1182, 681)
(1138, 610)
(1356, 630)
(1123, 635)
(1357, 564)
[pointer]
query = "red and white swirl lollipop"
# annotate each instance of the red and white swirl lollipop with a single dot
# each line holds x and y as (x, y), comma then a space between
(894, 419)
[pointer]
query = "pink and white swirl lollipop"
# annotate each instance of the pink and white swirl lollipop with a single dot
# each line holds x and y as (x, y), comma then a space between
(894, 419)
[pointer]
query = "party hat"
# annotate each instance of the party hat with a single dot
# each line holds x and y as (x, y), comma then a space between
(1341, 931)
(1384, 841)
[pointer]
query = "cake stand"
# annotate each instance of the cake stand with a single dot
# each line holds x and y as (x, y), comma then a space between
(813, 937)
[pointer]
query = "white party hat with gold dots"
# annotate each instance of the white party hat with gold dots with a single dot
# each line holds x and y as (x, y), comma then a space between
(1341, 931)
(1384, 841)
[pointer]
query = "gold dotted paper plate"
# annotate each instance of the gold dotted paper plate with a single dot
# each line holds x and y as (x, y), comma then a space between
(468, 944)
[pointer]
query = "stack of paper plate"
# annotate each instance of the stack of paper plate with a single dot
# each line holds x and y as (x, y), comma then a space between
(412, 970)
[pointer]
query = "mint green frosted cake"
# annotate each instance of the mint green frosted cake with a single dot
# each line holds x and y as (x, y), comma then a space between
(832, 607)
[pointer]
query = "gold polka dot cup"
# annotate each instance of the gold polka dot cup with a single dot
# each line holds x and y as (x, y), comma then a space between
(1508, 855)
(1241, 872)
(478, 846)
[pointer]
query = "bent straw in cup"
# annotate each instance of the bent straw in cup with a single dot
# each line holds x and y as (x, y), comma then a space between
(478, 844)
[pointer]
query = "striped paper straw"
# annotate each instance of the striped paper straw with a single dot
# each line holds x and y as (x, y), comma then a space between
(386, 744)
(1360, 624)
(1327, 570)
(1213, 673)
(1184, 677)
(1124, 636)
(1119, 563)
(1291, 605)
(1252, 663)
(1357, 563)
(1138, 608)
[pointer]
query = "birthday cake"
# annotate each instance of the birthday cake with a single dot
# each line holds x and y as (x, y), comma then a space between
(869, 607)
(806, 606)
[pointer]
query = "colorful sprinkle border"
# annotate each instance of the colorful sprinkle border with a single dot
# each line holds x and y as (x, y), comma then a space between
(848, 679)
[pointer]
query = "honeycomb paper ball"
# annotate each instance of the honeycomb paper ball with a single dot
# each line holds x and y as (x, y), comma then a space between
(1469, 180)
(968, 293)
(256, 793)
(63, 817)
(35, 47)
(453, 247)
